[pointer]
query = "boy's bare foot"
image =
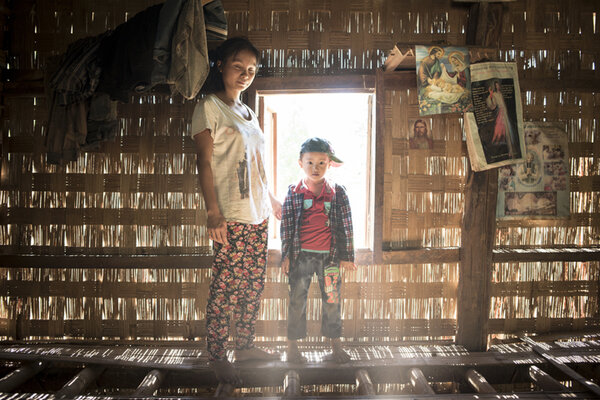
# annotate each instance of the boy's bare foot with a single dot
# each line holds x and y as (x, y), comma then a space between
(338, 354)
(225, 372)
(294, 356)
(254, 354)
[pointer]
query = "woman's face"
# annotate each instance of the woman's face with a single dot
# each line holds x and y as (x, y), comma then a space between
(239, 71)
(456, 64)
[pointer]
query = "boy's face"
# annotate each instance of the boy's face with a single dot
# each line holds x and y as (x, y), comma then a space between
(314, 165)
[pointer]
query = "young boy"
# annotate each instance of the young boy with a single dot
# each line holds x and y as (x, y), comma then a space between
(316, 237)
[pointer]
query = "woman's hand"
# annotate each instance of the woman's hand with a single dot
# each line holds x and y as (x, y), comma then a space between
(285, 266)
(217, 228)
(276, 205)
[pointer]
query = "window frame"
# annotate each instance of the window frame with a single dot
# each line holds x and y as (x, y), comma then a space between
(331, 84)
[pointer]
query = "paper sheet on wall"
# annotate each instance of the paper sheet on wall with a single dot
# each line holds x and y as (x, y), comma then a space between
(539, 186)
(494, 130)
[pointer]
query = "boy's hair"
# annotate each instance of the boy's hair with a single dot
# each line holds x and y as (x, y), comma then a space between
(227, 49)
(319, 145)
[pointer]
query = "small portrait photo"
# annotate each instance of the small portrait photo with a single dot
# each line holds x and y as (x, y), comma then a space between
(420, 136)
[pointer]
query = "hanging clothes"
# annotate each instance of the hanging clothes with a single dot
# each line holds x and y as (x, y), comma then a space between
(70, 82)
(189, 57)
(161, 54)
(126, 56)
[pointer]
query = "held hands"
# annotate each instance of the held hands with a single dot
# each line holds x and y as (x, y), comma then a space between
(276, 205)
(217, 227)
(285, 266)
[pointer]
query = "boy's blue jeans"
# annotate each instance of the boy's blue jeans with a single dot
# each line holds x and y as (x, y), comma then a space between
(300, 275)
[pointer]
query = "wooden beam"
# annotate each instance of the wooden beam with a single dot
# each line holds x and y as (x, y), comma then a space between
(422, 256)
(21, 375)
(313, 83)
(479, 215)
(558, 364)
(150, 383)
(106, 261)
(291, 384)
(364, 384)
(545, 381)
(419, 382)
(477, 240)
(478, 382)
(379, 166)
(79, 382)
(572, 254)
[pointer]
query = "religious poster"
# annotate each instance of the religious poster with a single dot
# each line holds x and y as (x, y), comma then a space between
(494, 129)
(539, 186)
(443, 79)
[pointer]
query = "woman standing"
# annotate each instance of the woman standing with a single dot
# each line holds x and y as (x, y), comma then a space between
(230, 153)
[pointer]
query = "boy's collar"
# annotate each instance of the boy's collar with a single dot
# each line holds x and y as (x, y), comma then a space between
(300, 187)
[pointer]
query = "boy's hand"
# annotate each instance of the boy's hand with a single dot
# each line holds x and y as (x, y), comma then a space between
(285, 265)
(347, 265)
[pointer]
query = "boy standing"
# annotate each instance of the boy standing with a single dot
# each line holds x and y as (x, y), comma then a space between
(316, 237)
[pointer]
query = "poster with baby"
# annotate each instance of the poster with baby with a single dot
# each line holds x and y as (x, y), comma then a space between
(494, 129)
(443, 79)
(539, 186)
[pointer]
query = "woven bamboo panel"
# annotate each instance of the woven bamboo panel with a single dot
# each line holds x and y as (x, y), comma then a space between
(423, 188)
(139, 195)
(393, 302)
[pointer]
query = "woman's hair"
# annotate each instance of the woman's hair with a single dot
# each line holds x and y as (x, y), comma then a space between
(227, 49)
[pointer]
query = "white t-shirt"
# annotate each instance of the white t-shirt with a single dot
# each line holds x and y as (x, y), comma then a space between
(237, 163)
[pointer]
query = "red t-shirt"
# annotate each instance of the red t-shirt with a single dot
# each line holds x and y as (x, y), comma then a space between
(315, 229)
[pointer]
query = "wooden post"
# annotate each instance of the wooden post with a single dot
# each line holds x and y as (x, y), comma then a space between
(419, 382)
(479, 216)
(291, 384)
(477, 240)
(19, 376)
(545, 381)
(364, 385)
(150, 383)
(379, 167)
(478, 382)
(79, 382)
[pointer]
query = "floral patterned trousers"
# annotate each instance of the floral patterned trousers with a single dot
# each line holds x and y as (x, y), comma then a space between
(237, 284)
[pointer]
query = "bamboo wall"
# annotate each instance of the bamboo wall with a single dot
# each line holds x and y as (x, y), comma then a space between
(139, 195)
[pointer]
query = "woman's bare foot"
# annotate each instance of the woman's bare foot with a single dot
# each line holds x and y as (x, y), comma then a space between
(293, 354)
(254, 354)
(225, 372)
(338, 354)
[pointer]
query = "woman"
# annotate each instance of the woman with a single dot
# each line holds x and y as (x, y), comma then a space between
(230, 153)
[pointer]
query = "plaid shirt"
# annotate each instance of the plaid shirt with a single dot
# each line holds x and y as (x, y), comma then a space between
(342, 236)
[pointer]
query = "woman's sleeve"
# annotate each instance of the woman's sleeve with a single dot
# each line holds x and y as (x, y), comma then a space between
(203, 118)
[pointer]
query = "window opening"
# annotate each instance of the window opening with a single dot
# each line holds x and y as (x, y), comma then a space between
(345, 120)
